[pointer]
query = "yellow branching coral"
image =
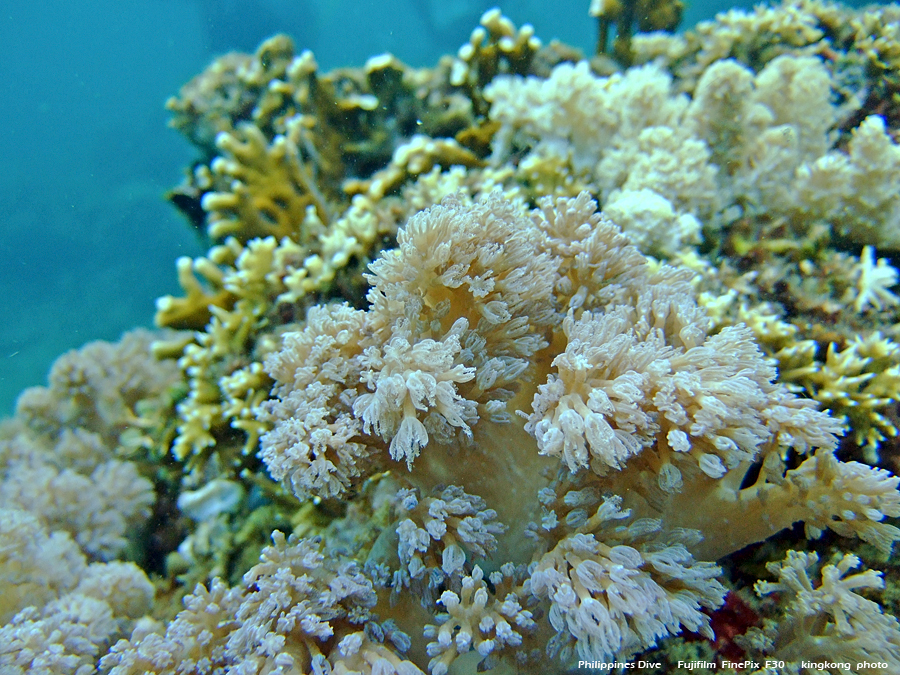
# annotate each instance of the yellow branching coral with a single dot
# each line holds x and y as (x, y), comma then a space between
(269, 188)
(757, 36)
(194, 309)
(857, 380)
(859, 384)
(496, 46)
(418, 156)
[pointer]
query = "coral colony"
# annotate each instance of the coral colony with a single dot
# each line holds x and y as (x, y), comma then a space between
(525, 362)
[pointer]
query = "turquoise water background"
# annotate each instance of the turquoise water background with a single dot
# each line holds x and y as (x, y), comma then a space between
(85, 153)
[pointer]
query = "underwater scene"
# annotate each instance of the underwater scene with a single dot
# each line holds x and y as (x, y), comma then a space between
(445, 338)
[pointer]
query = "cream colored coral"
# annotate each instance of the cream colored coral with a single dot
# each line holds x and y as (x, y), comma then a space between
(36, 566)
(614, 591)
(295, 612)
(441, 532)
(579, 116)
(411, 380)
(59, 613)
(632, 392)
(472, 620)
(746, 145)
(317, 451)
(96, 509)
(827, 620)
(855, 190)
(418, 286)
(193, 639)
(651, 223)
(761, 129)
(507, 353)
(849, 498)
(103, 387)
(67, 463)
(873, 283)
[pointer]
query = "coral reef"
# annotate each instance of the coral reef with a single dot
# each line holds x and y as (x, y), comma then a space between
(516, 363)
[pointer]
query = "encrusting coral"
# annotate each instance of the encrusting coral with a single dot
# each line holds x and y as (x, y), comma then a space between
(522, 362)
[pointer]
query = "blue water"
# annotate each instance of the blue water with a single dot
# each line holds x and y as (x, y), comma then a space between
(85, 154)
